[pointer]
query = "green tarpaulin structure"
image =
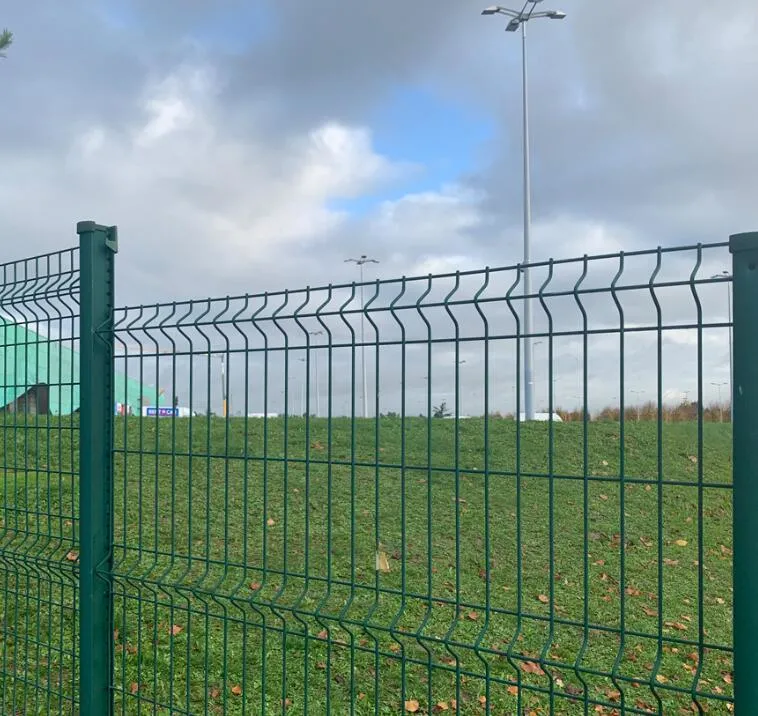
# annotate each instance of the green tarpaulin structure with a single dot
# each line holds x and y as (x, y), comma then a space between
(30, 361)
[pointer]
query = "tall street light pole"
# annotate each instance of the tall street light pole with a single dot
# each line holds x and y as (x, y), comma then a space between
(361, 261)
(318, 390)
(518, 19)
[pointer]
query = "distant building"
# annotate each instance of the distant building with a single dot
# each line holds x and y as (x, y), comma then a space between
(40, 376)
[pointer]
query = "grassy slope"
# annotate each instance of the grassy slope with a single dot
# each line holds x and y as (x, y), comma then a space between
(217, 546)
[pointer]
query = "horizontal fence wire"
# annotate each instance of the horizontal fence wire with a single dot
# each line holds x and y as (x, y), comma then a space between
(326, 500)
(39, 308)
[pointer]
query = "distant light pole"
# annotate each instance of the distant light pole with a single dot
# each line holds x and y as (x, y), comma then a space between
(519, 18)
(302, 386)
(361, 261)
(318, 390)
(639, 409)
(721, 405)
(722, 275)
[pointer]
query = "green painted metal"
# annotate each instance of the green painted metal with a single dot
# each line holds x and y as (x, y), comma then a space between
(268, 550)
(97, 248)
(38, 480)
(744, 248)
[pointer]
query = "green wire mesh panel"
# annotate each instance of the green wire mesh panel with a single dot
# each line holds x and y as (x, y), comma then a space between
(39, 463)
(278, 552)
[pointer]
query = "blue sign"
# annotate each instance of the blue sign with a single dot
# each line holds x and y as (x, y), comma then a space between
(162, 412)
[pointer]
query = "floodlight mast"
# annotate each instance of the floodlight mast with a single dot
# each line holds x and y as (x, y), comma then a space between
(518, 19)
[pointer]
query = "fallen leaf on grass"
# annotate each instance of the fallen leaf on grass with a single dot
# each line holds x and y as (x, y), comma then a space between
(513, 690)
(532, 667)
(675, 625)
(237, 690)
(72, 556)
(255, 586)
(670, 562)
(441, 706)
(719, 600)
(115, 635)
(134, 688)
(215, 693)
(270, 522)
(411, 706)
(543, 598)
(472, 616)
(633, 592)
(692, 459)
(287, 703)
(483, 700)
(382, 562)
(323, 634)
(650, 612)
(681, 543)
(317, 446)
(727, 677)
(176, 630)
(603, 497)
(599, 562)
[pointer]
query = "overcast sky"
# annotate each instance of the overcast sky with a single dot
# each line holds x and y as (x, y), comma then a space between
(245, 147)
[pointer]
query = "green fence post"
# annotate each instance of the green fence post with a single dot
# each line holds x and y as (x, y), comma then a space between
(97, 247)
(744, 248)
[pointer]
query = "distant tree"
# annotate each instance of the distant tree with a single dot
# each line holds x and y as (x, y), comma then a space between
(6, 40)
(441, 411)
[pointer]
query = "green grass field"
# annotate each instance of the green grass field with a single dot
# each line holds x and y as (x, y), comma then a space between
(330, 568)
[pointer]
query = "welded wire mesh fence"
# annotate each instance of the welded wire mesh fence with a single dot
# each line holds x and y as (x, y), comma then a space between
(277, 552)
(39, 309)
(251, 544)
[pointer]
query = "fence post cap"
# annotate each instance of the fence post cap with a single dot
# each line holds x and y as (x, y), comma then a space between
(747, 241)
(82, 227)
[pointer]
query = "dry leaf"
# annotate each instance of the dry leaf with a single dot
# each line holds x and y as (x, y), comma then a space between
(483, 700)
(633, 592)
(599, 562)
(361, 696)
(115, 635)
(543, 598)
(472, 616)
(648, 488)
(532, 667)
(215, 693)
(255, 586)
(394, 648)
(176, 630)
(513, 690)
(237, 690)
(719, 600)
(323, 634)
(317, 446)
(270, 522)
(382, 563)
(681, 543)
(727, 677)
(134, 688)
(441, 706)
(660, 678)
(72, 556)
(411, 706)
(321, 665)
(675, 625)
(726, 551)
(670, 562)
(650, 612)
(605, 463)
(693, 459)
(603, 497)
(287, 703)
